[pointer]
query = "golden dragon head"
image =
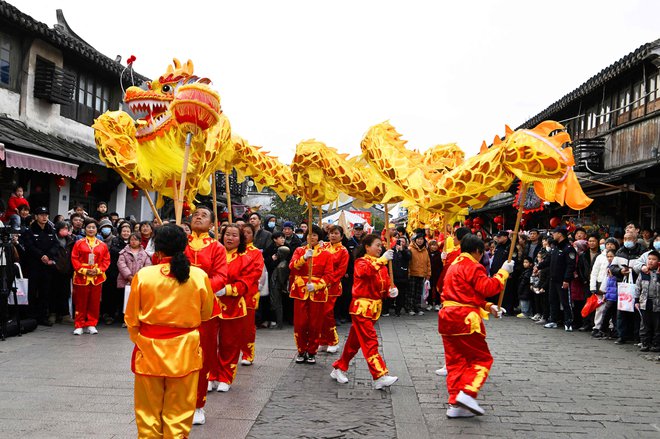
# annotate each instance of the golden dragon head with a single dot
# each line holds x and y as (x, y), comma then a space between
(542, 156)
(152, 106)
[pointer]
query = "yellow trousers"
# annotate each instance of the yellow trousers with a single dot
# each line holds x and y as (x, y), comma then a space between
(164, 407)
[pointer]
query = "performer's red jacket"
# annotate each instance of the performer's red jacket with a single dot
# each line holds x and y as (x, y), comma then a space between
(339, 257)
(464, 296)
(371, 283)
(208, 254)
(256, 266)
(232, 303)
(321, 273)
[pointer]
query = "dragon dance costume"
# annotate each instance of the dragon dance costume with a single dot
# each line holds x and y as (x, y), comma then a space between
(339, 258)
(371, 283)
(87, 254)
(252, 302)
(209, 255)
(167, 355)
(308, 305)
(460, 322)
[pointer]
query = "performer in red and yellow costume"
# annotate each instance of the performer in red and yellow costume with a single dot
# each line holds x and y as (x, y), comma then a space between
(460, 322)
(90, 259)
(233, 321)
(371, 283)
(329, 340)
(208, 254)
(252, 298)
(309, 295)
(167, 304)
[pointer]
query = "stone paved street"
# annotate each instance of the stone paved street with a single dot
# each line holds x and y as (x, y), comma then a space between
(544, 383)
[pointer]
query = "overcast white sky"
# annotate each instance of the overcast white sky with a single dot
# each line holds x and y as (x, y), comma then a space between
(439, 71)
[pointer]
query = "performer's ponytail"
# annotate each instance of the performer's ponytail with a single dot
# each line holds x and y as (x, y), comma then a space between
(171, 240)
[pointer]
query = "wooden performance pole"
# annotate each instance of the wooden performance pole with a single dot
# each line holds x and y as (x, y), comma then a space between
(184, 174)
(228, 193)
(516, 229)
(214, 194)
(310, 208)
(153, 207)
(387, 241)
(175, 197)
(321, 216)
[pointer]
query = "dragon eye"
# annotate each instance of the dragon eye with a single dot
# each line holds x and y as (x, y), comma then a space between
(166, 88)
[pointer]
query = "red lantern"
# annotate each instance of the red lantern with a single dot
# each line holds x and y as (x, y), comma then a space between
(467, 222)
(499, 220)
(135, 193)
(186, 209)
(523, 221)
(555, 221)
(197, 106)
(500, 226)
(60, 182)
(87, 178)
(478, 222)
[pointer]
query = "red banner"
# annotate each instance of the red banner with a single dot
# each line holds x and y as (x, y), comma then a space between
(364, 215)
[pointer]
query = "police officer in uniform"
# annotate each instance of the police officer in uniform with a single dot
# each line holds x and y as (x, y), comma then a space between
(562, 262)
(341, 309)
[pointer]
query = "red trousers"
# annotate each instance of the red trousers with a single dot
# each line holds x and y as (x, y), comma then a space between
(362, 336)
(247, 347)
(329, 335)
(231, 333)
(87, 302)
(208, 339)
(307, 321)
(468, 362)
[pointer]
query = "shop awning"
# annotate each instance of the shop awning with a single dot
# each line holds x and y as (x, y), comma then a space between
(23, 160)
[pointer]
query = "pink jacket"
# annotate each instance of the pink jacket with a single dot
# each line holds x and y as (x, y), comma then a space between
(130, 263)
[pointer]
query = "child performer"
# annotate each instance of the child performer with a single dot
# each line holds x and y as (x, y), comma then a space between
(329, 340)
(460, 323)
(167, 304)
(371, 282)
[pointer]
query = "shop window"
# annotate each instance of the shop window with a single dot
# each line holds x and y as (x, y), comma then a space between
(9, 62)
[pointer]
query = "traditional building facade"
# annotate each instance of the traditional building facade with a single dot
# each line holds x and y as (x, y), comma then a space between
(52, 86)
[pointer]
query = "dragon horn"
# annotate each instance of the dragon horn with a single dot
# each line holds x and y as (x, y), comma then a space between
(497, 140)
(484, 147)
(507, 130)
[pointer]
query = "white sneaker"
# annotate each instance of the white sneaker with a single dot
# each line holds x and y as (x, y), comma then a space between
(429, 308)
(442, 372)
(213, 385)
(78, 331)
(322, 348)
(199, 418)
(437, 307)
(333, 349)
(456, 411)
(550, 325)
(568, 328)
(412, 313)
(384, 381)
(536, 317)
(223, 387)
(421, 313)
(92, 330)
(245, 362)
(339, 375)
(468, 402)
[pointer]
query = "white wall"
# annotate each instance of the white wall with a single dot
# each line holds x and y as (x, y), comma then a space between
(9, 102)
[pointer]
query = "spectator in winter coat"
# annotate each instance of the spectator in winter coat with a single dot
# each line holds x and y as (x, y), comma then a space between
(436, 269)
(524, 288)
(609, 308)
(647, 301)
(131, 259)
(279, 285)
(16, 199)
(400, 264)
(62, 276)
(419, 272)
(639, 266)
(627, 323)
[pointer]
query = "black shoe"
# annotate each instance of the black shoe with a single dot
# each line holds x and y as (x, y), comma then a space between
(45, 322)
(584, 329)
(311, 359)
(301, 358)
(620, 341)
(655, 349)
(644, 348)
